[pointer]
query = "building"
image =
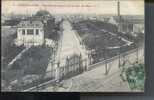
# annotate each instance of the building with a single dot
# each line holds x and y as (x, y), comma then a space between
(112, 21)
(30, 32)
(132, 25)
(128, 24)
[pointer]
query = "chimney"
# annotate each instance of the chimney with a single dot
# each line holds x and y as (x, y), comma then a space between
(119, 16)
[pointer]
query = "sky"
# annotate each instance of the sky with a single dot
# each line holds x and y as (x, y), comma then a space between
(128, 7)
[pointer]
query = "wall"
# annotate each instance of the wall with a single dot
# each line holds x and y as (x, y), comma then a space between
(138, 28)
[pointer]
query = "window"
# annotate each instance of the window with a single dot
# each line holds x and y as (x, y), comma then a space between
(37, 31)
(37, 24)
(23, 32)
(30, 32)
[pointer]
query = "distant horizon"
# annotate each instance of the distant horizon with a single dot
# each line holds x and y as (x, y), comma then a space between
(75, 14)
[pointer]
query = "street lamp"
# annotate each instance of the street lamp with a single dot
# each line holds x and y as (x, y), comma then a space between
(105, 57)
(106, 71)
(119, 51)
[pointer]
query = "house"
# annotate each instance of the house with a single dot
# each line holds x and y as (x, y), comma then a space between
(132, 25)
(30, 32)
(129, 24)
(112, 21)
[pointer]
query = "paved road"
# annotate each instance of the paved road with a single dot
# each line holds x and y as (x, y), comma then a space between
(70, 43)
(96, 81)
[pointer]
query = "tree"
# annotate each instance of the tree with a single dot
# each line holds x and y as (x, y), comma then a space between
(42, 13)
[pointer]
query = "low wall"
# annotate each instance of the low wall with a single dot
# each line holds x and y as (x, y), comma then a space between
(127, 56)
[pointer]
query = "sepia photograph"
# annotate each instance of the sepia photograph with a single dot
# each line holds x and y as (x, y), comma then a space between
(72, 46)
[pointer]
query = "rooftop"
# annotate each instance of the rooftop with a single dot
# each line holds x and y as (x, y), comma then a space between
(131, 19)
(30, 24)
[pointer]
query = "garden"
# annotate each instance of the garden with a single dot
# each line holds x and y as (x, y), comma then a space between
(101, 38)
(9, 49)
(31, 66)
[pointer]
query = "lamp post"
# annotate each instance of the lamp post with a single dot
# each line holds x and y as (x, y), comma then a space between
(106, 71)
(105, 57)
(119, 52)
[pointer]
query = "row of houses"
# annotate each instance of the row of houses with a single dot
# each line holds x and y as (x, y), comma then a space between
(128, 24)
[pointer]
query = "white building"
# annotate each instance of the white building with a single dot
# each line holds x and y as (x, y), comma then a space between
(30, 33)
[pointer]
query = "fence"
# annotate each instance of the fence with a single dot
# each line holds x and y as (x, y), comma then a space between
(76, 66)
(73, 67)
(122, 57)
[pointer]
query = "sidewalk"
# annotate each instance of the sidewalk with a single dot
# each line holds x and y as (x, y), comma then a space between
(96, 81)
(93, 81)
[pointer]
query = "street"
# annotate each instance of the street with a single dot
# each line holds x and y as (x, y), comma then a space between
(70, 43)
(95, 80)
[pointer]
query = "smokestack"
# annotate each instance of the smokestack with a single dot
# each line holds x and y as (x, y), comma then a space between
(118, 7)
(119, 16)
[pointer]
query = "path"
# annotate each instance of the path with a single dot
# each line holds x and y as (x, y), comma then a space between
(18, 56)
(123, 39)
(70, 43)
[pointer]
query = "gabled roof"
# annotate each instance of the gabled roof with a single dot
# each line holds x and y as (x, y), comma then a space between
(30, 24)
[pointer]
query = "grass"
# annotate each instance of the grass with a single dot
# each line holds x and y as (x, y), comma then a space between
(9, 50)
(91, 33)
(32, 62)
(94, 38)
(7, 31)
